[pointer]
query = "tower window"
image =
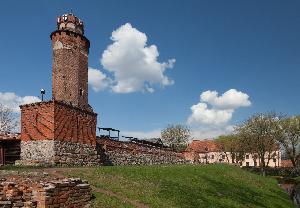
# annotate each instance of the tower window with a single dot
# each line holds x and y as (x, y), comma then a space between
(81, 92)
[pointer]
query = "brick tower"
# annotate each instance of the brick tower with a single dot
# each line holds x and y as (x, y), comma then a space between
(70, 62)
(63, 130)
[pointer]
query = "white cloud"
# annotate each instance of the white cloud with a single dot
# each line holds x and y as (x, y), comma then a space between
(12, 101)
(231, 99)
(201, 114)
(98, 80)
(221, 107)
(133, 64)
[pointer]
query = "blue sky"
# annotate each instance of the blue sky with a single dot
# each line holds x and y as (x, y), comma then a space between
(250, 46)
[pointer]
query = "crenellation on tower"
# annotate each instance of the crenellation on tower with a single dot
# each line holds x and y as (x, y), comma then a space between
(70, 22)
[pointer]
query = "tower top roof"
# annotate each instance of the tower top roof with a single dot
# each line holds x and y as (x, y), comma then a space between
(70, 22)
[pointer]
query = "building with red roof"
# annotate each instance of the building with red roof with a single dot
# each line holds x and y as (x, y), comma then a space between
(207, 151)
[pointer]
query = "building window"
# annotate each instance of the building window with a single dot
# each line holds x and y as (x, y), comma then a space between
(212, 157)
(81, 92)
(223, 157)
(274, 160)
(247, 164)
(247, 156)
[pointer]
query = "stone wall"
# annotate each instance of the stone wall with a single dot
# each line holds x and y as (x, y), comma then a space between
(66, 193)
(72, 153)
(129, 153)
(34, 152)
(57, 152)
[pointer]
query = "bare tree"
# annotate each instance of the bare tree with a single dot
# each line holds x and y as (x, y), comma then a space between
(260, 134)
(7, 119)
(290, 139)
(176, 136)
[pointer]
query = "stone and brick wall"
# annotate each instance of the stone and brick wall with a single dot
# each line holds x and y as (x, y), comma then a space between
(129, 153)
(68, 193)
(56, 133)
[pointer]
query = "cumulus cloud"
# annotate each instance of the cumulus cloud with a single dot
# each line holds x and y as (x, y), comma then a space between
(133, 65)
(201, 114)
(98, 80)
(12, 101)
(217, 110)
(231, 99)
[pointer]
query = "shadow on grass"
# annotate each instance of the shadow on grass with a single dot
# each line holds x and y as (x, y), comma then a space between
(227, 193)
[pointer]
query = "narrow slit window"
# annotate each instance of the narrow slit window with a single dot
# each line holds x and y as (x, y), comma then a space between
(81, 92)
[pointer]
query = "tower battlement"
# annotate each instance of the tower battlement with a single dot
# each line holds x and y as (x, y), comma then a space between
(70, 22)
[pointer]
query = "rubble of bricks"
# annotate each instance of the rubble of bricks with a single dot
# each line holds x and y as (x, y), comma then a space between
(68, 193)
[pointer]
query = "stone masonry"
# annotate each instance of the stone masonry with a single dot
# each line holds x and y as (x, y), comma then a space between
(129, 153)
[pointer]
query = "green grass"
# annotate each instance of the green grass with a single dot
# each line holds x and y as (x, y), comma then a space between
(183, 186)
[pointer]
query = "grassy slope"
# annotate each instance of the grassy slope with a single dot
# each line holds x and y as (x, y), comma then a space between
(184, 186)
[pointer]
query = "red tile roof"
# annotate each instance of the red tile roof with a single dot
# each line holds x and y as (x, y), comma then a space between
(9, 136)
(286, 163)
(202, 146)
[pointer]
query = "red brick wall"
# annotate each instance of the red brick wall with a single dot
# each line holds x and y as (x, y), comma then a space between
(70, 68)
(73, 124)
(55, 120)
(37, 121)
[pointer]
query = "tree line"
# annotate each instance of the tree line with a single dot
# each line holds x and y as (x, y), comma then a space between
(259, 135)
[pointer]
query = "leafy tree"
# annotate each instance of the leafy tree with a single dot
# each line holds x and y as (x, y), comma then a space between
(232, 145)
(290, 139)
(259, 135)
(176, 136)
(7, 119)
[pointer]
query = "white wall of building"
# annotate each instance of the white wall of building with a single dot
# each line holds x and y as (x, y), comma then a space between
(249, 160)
